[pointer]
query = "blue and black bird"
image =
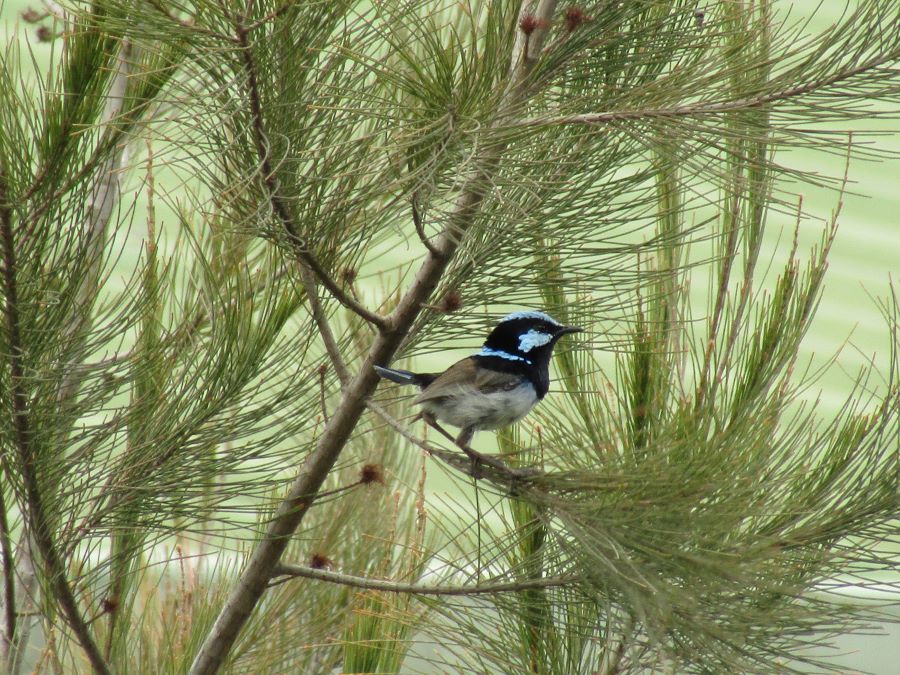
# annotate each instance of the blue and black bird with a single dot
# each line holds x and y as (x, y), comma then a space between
(493, 388)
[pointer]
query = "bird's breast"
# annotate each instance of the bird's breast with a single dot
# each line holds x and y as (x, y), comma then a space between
(470, 407)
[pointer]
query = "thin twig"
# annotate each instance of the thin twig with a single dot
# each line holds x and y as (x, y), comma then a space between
(327, 335)
(387, 586)
(477, 458)
(420, 230)
(322, 392)
(271, 16)
(279, 203)
(708, 108)
(495, 471)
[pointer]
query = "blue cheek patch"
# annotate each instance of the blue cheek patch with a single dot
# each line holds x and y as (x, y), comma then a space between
(487, 351)
(532, 339)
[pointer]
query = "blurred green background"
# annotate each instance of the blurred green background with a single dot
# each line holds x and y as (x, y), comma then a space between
(864, 260)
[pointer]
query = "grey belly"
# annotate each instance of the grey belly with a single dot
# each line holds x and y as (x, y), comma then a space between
(484, 411)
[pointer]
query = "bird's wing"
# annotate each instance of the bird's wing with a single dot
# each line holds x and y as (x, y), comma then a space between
(466, 374)
(488, 381)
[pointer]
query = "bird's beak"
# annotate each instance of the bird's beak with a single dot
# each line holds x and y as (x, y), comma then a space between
(569, 329)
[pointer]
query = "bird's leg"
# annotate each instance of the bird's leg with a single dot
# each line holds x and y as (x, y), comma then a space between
(429, 419)
(463, 440)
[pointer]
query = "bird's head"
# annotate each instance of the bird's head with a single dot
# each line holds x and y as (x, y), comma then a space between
(526, 337)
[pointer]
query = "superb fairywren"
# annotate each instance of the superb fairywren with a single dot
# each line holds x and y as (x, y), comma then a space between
(493, 388)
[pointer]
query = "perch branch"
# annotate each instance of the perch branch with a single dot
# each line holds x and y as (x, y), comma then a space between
(495, 471)
(420, 228)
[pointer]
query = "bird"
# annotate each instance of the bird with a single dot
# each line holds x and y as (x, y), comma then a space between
(492, 388)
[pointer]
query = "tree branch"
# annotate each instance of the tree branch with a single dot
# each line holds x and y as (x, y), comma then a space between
(290, 514)
(36, 517)
(387, 586)
(279, 204)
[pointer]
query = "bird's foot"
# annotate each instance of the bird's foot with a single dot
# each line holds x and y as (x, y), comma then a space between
(479, 459)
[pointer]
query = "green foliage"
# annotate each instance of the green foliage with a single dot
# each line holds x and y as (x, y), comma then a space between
(281, 166)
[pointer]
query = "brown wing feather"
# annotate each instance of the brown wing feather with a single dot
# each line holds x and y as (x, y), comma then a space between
(464, 374)
(488, 381)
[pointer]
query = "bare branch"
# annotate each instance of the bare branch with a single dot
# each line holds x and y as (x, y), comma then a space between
(387, 586)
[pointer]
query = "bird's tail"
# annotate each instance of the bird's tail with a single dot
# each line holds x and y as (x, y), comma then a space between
(398, 376)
